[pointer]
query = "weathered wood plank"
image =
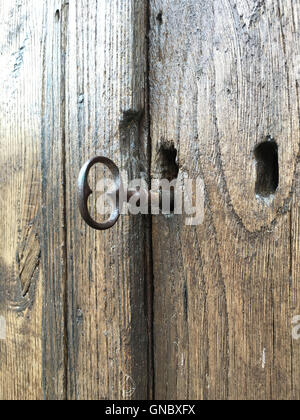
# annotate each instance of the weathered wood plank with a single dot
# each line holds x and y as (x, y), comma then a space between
(105, 115)
(222, 80)
(53, 220)
(295, 271)
(20, 247)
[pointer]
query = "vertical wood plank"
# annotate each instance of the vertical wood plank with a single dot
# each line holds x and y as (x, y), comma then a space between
(20, 248)
(105, 115)
(223, 80)
(295, 270)
(53, 227)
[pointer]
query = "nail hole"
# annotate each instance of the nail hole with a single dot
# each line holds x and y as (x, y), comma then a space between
(57, 15)
(159, 17)
(267, 168)
(167, 162)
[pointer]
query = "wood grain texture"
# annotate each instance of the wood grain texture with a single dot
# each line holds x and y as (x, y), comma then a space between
(77, 304)
(20, 247)
(222, 80)
(74, 85)
(107, 271)
(53, 215)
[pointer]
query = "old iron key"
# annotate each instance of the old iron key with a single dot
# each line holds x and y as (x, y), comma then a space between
(84, 192)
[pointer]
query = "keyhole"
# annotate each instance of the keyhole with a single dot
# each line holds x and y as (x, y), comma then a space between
(267, 168)
(168, 162)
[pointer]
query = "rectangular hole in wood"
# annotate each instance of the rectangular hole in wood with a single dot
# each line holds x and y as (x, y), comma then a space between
(267, 168)
(167, 158)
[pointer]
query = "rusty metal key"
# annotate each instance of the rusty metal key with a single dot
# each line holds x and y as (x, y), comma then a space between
(118, 194)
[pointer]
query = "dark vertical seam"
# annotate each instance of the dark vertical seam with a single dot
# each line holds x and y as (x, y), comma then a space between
(149, 277)
(95, 136)
(64, 30)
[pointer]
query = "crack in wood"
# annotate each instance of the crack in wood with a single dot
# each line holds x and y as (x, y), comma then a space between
(28, 259)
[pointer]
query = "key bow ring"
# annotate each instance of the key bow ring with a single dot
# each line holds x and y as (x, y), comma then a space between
(84, 192)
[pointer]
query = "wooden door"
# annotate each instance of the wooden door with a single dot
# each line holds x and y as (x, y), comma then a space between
(154, 307)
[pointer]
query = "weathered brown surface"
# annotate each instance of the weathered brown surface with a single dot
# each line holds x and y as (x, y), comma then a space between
(53, 215)
(222, 80)
(74, 86)
(77, 304)
(107, 271)
(20, 247)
